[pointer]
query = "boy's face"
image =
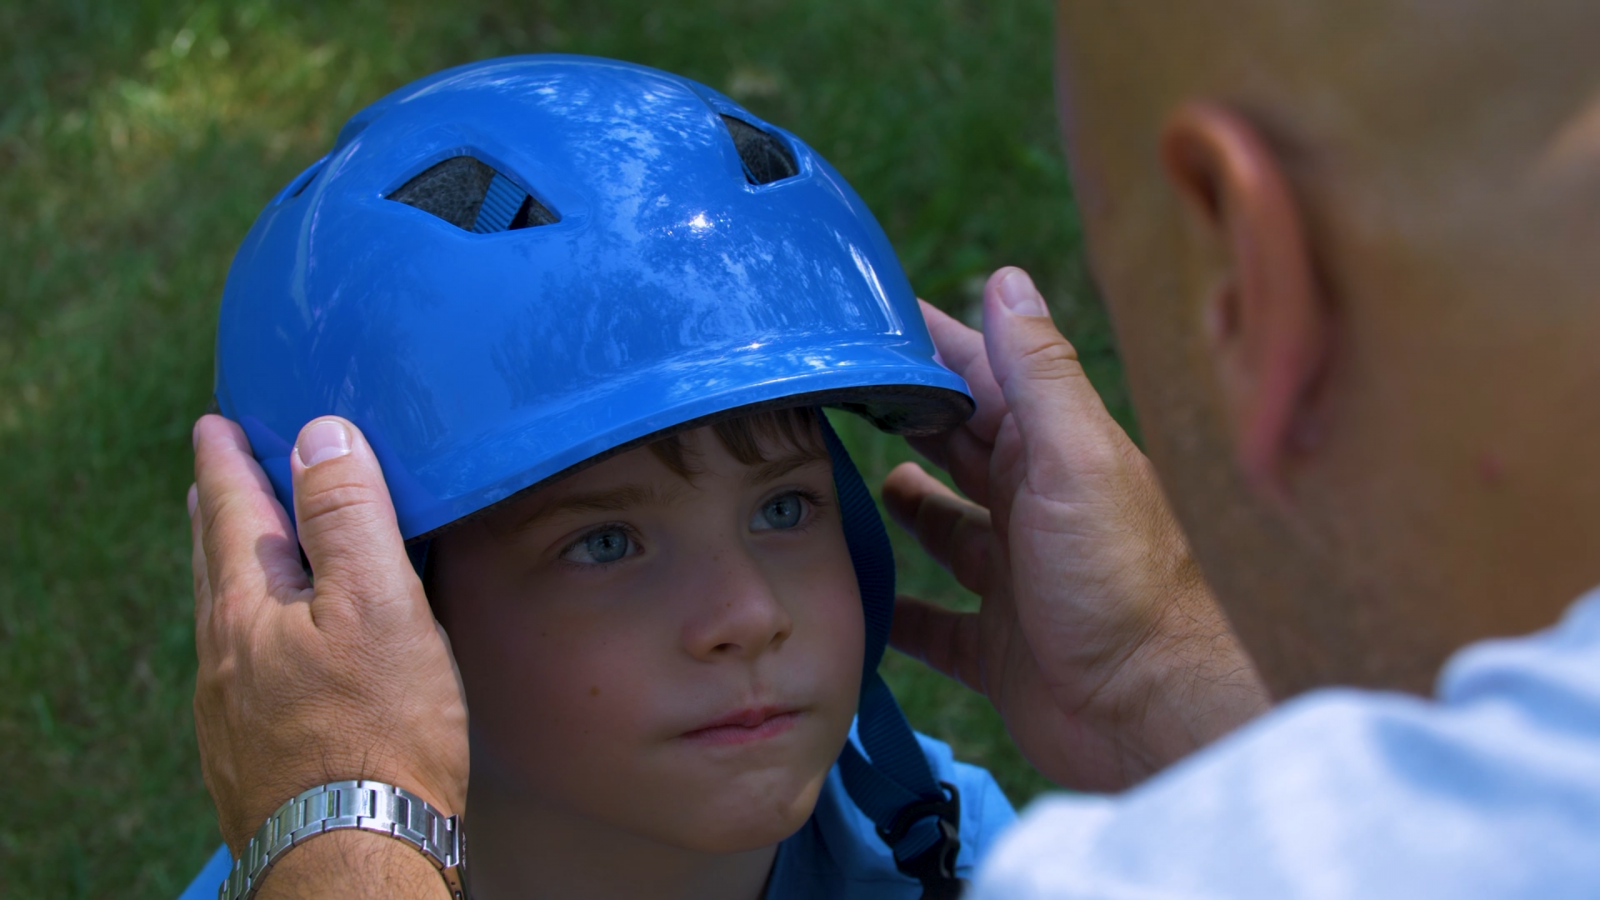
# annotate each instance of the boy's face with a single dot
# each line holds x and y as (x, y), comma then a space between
(677, 658)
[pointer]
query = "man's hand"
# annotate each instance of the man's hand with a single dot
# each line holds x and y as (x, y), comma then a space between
(1098, 641)
(300, 685)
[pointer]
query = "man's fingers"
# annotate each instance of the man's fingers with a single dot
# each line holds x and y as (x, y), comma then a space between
(953, 531)
(197, 564)
(959, 452)
(946, 640)
(932, 447)
(245, 539)
(969, 461)
(962, 351)
(346, 518)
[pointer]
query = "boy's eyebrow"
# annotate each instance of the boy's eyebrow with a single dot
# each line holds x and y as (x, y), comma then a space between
(774, 469)
(615, 499)
(628, 496)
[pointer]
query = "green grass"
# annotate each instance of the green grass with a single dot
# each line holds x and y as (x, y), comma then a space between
(137, 142)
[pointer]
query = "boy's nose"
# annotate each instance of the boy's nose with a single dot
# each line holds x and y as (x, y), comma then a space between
(738, 615)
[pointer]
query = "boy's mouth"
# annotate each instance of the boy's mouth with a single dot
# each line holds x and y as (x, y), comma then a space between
(745, 725)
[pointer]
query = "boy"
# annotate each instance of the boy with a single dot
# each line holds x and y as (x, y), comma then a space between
(585, 312)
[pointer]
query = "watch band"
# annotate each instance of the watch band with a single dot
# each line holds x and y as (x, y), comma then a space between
(367, 805)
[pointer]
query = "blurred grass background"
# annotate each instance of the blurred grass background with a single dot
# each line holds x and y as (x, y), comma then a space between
(137, 142)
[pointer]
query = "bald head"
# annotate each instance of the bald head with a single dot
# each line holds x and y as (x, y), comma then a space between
(1352, 251)
(1407, 102)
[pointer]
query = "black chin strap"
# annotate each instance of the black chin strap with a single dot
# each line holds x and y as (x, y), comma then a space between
(918, 817)
(935, 867)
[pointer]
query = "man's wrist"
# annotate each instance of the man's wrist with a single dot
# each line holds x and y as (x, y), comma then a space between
(246, 813)
(1191, 684)
(374, 807)
(354, 864)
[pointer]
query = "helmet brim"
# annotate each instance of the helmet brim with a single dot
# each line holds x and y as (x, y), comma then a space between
(898, 395)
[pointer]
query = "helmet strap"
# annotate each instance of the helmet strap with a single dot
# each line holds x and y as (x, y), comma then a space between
(917, 816)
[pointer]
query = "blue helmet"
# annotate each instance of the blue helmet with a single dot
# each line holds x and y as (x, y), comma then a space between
(518, 267)
(512, 268)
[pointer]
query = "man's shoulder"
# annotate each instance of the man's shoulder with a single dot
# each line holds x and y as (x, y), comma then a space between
(1491, 789)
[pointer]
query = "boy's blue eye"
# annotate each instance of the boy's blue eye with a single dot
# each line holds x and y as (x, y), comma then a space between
(603, 546)
(780, 512)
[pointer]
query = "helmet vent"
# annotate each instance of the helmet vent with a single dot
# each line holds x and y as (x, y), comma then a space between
(469, 194)
(305, 179)
(766, 158)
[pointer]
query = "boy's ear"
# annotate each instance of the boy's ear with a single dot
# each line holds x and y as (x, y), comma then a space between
(1267, 326)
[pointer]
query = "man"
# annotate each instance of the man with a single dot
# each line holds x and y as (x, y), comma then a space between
(1348, 251)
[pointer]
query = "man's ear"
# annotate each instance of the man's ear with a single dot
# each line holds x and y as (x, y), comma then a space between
(1266, 323)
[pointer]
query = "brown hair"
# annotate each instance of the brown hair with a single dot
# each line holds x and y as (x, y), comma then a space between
(743, 437)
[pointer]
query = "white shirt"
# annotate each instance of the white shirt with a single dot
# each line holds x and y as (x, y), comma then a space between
(1490, 790)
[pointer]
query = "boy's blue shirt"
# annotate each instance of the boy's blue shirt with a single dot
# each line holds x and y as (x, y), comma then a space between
(837, 854)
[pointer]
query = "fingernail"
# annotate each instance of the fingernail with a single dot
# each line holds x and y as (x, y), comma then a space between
(1020, 296)
(194, 499)
(194, 434)
(322, 441)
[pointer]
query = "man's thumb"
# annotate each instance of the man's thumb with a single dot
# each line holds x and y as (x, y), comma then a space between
(345, 517)
(1055, 408)
(1033, 363)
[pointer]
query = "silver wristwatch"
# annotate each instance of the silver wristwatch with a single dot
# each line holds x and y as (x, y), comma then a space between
(368, 805)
